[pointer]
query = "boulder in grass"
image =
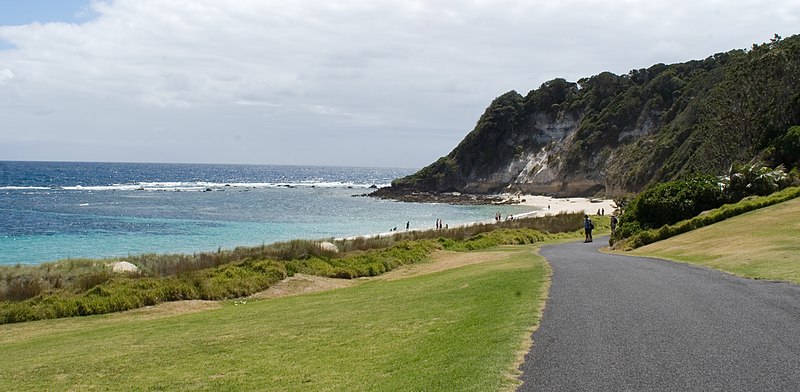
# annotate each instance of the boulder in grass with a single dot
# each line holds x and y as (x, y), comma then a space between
(123, 266)
(328, 246)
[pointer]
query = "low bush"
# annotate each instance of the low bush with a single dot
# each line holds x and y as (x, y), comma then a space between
(670, 202)
(558, 223)
(367, 263)
(119, 294)
(726, 211)
(494, 238)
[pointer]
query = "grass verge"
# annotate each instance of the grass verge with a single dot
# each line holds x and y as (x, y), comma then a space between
(761, 244)
(720, 214)
(457, 329)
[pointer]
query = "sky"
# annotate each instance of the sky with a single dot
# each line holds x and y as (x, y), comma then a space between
(308, 82)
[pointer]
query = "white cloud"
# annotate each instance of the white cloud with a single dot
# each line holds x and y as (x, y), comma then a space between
(264, 68)
(6, 75)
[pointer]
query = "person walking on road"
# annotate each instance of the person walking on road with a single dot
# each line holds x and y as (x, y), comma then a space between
(588, 226)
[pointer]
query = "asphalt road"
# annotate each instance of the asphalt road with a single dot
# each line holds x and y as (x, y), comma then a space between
(618, 323)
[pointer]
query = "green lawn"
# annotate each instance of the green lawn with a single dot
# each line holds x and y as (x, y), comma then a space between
(456, 330)
(762, 244)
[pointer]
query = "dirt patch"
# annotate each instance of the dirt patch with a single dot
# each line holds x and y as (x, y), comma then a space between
(440, 261)
(302, 284)
(173, 308)
(443, 260)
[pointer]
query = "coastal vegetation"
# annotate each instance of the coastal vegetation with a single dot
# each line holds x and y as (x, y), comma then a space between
(671, 208)
(649, 236)
(462, 328)
(86, 287)
(758, 240)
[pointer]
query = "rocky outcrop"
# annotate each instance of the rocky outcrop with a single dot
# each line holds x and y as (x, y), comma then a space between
(123, 267)
(455, 198)
(615, 134)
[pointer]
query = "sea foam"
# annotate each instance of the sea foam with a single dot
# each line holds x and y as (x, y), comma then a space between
(23, 188)
(205, 186)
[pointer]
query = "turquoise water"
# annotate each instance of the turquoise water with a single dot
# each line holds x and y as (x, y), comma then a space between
(51, 210)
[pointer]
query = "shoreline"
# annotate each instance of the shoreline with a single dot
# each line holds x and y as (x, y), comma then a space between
(546, 205)
(531, 206)
(555, 205)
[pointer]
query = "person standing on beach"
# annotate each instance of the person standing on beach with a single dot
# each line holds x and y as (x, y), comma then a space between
(588, 226)
(408, 223)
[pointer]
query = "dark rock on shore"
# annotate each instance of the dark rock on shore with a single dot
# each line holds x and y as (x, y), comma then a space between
(434, 197)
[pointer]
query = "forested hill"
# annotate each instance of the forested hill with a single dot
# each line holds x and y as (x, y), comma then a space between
(613, 134)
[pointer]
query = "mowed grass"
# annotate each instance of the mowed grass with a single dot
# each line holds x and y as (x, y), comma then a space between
(762, 244)
(460, 329)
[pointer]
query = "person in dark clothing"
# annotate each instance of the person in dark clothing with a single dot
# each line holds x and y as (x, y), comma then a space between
(614, 222)
(588, 226)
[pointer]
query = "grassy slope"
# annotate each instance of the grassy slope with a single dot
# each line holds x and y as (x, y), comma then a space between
(761, 244)
(458, 329)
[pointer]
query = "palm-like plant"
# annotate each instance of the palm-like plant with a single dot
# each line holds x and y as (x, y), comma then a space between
(753, 179)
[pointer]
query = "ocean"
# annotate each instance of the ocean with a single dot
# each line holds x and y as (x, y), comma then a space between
(58, 210)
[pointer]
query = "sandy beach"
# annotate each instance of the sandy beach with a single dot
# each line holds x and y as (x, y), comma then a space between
(546, 206)
(553, 205)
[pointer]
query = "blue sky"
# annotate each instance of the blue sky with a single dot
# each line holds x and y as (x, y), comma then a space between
(334, 82)
(22, 12)
(18, 12)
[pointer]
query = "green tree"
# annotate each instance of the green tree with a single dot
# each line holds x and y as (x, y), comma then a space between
(753, 104)
(671, 202)
(787, 148)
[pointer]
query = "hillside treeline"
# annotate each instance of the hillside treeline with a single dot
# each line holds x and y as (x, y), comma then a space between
(650, 125)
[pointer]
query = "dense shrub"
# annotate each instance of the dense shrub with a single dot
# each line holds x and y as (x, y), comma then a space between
(726, 211)
(121, 293)
(670, 202)
(494, 238)
(368, 263)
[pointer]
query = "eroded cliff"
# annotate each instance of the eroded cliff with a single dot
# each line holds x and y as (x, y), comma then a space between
(614, 134)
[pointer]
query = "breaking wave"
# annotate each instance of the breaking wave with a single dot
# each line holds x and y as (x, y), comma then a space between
(198, 186)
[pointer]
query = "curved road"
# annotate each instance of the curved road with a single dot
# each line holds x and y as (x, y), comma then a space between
(619, 323)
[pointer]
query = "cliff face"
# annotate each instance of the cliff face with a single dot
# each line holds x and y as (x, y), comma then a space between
(610, 134)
